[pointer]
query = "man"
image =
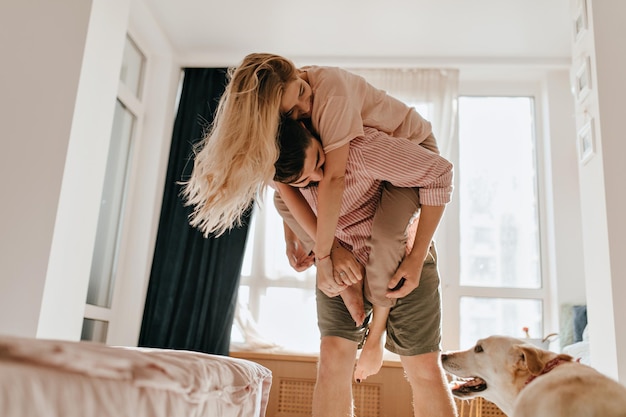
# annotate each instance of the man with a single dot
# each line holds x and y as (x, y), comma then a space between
(376, 162)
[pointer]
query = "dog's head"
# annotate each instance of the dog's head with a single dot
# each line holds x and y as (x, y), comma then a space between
(496, 367)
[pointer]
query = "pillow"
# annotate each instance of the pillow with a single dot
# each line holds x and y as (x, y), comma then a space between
(580, 322)
(586, 334)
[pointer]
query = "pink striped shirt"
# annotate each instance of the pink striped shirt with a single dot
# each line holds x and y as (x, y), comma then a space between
(374, 158)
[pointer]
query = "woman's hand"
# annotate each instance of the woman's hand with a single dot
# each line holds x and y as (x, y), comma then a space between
(345, 266)
(325, 278)
(338, 271)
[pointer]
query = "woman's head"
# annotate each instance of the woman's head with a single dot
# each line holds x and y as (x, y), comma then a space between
(235, 160)
(297, 100)
(262, 78)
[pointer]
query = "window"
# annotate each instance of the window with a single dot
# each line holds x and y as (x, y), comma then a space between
(500, 281)
(281, 300)
(489, 244)
(109, 221)
(128, 109)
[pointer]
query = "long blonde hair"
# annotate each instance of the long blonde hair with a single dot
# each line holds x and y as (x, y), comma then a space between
(234, 162)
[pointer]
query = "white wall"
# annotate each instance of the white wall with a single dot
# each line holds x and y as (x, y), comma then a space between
(562, 206)
(36, 109)
(608, 17)
(57, 110)
(602, 186)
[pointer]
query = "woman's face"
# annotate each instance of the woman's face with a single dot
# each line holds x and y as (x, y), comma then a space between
(297, 100)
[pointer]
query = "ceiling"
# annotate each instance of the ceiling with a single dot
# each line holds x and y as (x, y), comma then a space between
(372, 31)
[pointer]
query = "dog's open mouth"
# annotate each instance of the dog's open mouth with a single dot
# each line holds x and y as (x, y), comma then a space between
(468, 386)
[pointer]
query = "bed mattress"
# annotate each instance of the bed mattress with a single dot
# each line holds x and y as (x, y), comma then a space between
(62, 378)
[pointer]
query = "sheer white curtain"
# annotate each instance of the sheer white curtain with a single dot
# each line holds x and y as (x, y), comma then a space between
(435, 88)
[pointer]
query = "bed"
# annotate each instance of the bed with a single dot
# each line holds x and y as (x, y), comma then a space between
(82, 379)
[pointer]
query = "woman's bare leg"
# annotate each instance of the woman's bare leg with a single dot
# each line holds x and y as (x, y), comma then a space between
(353, 299)
(371, 358)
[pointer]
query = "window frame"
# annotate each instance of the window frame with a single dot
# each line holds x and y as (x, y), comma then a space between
(108, 316)
(447, 236)
(449, 232)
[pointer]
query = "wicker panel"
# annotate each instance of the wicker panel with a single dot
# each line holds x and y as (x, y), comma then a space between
(478, 407)
(295, 398)
(366, 400)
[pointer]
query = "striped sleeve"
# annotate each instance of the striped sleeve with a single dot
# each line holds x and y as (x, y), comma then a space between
(405, 163)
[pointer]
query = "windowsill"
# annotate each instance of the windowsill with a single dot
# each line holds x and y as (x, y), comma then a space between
(389, 359)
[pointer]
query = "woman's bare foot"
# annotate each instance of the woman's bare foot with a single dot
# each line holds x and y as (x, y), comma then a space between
(370, 360)
(353, 299)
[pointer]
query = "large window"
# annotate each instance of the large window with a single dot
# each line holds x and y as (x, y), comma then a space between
(491, 268)
(500, 281)
(281, 300)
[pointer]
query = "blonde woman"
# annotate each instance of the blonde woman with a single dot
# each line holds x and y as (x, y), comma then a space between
(235, 161)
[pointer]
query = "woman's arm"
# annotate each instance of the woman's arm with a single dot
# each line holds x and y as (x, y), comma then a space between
(330, 194)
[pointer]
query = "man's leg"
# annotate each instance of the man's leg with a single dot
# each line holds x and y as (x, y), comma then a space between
(414, 333)
(333, 390)
(431, 395)
(340, 339)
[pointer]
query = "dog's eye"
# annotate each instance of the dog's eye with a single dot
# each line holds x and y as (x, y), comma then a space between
(478, 348)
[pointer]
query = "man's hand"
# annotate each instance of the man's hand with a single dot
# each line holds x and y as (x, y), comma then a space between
(406, 278)
(298, 258)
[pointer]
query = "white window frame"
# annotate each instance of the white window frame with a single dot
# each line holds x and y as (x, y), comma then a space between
(448, 233)
(135, 105)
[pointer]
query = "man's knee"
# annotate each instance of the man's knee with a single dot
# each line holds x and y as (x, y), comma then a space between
(337, 356)
(426, 366)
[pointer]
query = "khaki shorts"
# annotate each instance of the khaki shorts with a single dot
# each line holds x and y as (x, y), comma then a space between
(414, 323)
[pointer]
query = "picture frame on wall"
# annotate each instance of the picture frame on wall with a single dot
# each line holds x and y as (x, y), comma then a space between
(586, 142)
(580, 23)
(582, 80)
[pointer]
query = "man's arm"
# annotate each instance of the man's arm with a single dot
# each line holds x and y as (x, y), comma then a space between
(411, 267)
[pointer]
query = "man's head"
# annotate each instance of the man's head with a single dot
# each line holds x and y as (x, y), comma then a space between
(301, 159)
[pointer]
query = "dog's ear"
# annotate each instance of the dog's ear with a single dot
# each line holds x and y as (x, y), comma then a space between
(531, 359)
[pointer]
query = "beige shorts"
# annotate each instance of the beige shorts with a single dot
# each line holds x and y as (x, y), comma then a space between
(414, 323)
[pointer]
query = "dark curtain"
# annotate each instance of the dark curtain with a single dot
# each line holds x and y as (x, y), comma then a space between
(191, 298)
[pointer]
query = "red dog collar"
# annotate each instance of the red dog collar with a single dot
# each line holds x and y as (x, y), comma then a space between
(549, 366)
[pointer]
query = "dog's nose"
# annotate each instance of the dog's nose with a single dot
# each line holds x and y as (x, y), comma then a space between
(444, 357)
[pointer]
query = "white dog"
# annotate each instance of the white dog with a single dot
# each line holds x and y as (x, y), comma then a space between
(525, 381)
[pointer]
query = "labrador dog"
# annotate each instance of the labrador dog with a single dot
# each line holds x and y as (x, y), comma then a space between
(525, 381)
